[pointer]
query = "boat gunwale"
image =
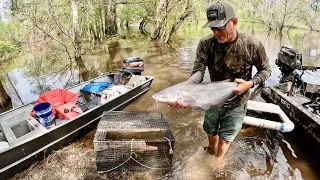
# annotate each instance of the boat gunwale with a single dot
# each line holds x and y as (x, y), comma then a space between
(310, 115)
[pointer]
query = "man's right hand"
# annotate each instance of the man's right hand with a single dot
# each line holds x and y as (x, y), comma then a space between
(177, 105)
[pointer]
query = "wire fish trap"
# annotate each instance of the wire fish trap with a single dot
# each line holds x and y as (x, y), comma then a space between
(133, 141)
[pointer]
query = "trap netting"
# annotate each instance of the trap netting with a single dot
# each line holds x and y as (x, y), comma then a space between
(134, 141)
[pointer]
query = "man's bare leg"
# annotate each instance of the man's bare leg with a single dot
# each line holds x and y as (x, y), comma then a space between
(213, 144)
(223, 147)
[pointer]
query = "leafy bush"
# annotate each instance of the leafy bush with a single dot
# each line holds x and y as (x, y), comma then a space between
(6, 46)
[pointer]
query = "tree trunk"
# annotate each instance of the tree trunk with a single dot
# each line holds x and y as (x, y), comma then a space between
(101, 29)
(14, 5)
(176, 26)
(111, 17)
(106, 13)
(143, 24)
(77, 42)
(88, 26)
(282, 24)
(159, 19)
(5, 100)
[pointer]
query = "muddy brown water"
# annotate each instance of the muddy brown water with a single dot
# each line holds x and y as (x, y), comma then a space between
(295, 159)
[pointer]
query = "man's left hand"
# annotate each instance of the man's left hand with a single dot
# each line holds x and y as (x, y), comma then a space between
(243, 86)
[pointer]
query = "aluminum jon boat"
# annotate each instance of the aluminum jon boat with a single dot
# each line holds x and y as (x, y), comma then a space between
(28, 141)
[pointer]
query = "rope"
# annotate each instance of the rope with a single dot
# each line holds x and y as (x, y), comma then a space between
(118, 165)
(131, 150)
(147, 166)
(133, 153)
(169, 143)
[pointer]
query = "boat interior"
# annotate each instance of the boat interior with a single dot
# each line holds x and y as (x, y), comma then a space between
(17, 125)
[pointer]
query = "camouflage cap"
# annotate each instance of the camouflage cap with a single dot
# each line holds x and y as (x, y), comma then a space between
(219, 14)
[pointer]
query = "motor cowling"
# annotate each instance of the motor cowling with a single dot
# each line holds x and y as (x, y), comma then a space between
(133, 65)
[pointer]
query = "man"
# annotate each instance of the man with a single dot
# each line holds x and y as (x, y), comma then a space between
(228, 54)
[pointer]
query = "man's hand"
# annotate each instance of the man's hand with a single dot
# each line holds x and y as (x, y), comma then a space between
(177, 105)
(243, 86)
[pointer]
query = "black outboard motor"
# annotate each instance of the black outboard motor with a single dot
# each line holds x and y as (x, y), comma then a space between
(133, 65)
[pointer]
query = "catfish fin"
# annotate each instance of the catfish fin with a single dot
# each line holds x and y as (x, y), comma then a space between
(205, 106)
(183, 102)
(196, 77)
(226, 80)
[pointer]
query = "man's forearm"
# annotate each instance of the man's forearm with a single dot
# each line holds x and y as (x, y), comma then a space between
(260, 77)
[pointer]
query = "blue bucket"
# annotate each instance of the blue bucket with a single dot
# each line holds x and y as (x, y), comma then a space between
(43, 111)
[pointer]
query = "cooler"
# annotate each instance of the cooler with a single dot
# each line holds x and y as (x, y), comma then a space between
(68, 111)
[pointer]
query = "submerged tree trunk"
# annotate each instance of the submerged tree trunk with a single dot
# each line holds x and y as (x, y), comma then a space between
(5, 100)
(77, 42)
(111, 17)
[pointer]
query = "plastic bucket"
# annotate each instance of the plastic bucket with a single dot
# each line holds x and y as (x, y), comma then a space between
(44, 114)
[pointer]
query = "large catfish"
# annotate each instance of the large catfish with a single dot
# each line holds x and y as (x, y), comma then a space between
(193, 94)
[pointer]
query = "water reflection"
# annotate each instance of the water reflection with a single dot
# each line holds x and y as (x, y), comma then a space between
(82, 69)
(305, 41)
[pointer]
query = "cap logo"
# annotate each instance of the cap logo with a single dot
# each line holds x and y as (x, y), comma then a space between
(212, 15)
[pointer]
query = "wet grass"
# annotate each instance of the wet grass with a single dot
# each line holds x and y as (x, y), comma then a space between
(75, 161)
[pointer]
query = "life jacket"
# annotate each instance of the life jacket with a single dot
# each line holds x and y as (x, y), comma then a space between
(56, 98)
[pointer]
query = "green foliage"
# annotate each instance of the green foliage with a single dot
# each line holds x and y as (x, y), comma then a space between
(91, 16)
(10, 31)
(9, 34)
(44, 27)
(6, 47)
(134, 12)
(131, 13)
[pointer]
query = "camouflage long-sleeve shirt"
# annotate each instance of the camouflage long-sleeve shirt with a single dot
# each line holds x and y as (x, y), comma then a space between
(233, 60)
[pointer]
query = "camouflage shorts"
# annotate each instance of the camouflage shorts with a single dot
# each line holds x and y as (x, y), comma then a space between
(224, 122)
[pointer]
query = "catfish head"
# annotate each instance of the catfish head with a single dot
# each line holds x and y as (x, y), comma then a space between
(169, 95)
